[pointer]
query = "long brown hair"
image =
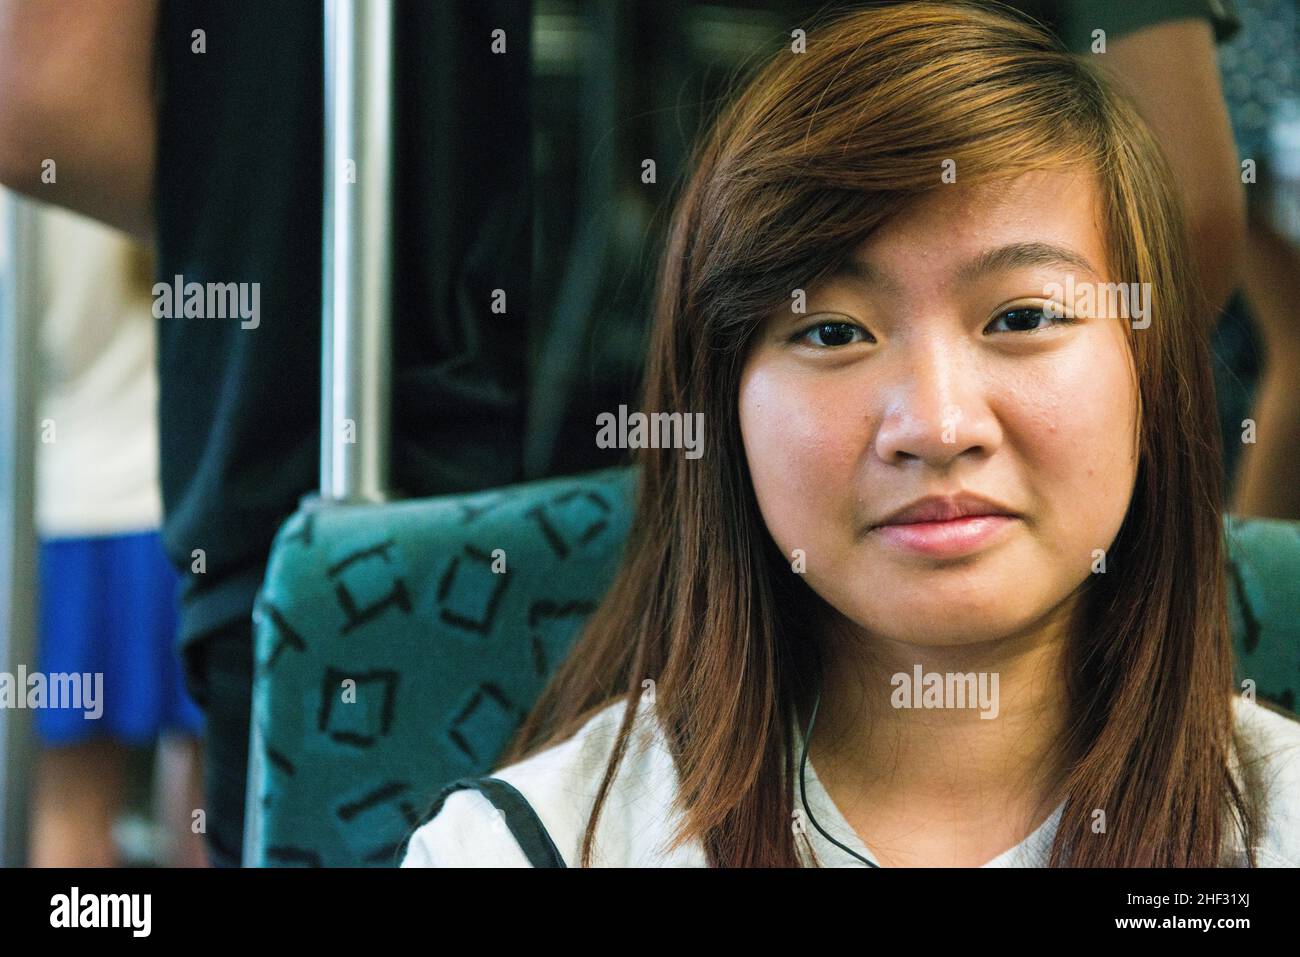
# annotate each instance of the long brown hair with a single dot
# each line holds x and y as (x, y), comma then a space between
(821, 148)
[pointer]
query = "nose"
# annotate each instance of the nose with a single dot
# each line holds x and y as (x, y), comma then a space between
(936, 407)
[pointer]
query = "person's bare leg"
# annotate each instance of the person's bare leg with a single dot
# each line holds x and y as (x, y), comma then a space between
(178, 790)
(77, 795)
(1268, 478)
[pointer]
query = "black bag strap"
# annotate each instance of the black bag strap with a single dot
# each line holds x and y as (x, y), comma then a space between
(520, 817)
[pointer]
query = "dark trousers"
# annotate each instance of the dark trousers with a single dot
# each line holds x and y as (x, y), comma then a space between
(219, 675)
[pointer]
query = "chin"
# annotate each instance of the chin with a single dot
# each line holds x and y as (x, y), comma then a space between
(944, 621)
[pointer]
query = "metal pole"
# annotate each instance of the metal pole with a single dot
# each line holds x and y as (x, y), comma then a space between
(356, 287)
(19, 303)
(358, 251)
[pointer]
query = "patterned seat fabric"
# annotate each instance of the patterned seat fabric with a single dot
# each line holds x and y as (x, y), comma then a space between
(399, 646)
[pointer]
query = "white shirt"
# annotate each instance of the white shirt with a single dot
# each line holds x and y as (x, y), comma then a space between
(97, 402)
(638, 818)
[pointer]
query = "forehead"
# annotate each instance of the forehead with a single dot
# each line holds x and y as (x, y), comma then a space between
(949, 228)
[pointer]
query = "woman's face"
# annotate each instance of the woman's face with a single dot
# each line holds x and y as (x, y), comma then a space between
(916, 375)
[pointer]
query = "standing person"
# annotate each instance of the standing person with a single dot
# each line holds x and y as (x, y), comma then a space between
(1163, 55)
(107, 605)
(1261, 77)
(219, 154)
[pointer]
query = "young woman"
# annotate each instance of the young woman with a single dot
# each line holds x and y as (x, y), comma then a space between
(954, 540)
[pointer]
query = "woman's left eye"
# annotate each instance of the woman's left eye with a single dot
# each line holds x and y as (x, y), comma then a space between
(1020, 316)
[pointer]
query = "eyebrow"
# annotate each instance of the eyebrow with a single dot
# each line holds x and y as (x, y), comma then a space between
(1000, 259)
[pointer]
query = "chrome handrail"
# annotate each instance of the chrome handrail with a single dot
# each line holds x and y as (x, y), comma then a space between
(356, 364)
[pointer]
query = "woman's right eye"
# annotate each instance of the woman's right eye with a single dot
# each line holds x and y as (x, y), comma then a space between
(832, 334)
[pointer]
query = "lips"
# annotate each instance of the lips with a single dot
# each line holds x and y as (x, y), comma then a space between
(948, 539)
(936, 508)
(946, 527)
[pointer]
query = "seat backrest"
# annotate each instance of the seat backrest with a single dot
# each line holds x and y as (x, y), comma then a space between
(1263, 578)
(399, 646)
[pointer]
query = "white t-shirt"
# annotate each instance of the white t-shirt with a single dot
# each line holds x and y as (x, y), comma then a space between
(638, 818)
(97, 401)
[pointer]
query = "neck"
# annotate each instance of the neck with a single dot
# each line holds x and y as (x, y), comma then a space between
(945, 762)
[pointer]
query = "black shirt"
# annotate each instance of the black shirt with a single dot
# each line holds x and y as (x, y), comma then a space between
(1075, 20)
(239, 199)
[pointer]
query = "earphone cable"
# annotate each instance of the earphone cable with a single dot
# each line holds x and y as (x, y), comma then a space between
(803, 787)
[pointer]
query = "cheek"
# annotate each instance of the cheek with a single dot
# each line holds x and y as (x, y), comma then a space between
(1076, 432)
(800, 446)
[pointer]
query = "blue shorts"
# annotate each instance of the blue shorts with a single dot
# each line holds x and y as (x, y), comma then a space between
(109, 605)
